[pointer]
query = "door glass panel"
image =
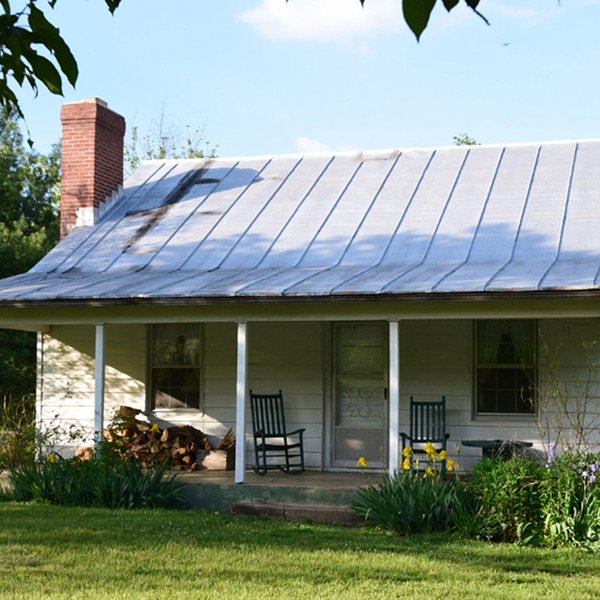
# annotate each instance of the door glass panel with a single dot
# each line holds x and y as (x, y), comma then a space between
(360, 399)
(360, 402)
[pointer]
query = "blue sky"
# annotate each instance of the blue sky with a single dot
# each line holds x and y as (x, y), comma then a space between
(266, 77)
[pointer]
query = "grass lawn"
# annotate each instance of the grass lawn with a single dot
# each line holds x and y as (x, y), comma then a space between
(50, 552)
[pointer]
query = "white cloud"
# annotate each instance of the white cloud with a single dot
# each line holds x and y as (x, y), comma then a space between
(520, 13)
(340, 22)
(307, 146)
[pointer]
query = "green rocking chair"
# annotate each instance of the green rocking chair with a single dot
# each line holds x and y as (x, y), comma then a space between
(274, 447)
(427, 424)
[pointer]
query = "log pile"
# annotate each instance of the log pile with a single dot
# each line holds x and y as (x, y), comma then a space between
(183, 447)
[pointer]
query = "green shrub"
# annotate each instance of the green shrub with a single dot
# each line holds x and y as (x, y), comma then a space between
(94, 483)
(411, 503)
(510, 494)
(572, 501)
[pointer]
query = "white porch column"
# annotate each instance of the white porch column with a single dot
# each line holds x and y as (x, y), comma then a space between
(240, 402)
(99, 365)
(394, 385)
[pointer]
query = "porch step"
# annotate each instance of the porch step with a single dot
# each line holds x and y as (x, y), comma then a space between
(216, 490)
(294, 513)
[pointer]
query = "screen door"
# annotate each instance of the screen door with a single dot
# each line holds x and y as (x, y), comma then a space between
(359, 394)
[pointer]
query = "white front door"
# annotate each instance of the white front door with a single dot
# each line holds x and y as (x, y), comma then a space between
(359, 394)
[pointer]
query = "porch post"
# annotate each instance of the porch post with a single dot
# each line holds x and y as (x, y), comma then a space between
(241, 394)
(394, 385)
(99, 367)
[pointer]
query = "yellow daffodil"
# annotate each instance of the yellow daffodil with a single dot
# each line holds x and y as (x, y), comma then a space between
(450, 465)
(429, 449)
(406, 464)
(428, 472)
(155, 428)
(362, 462)
(51, 457)
(442, 455)
(407, 452)
(457, 450)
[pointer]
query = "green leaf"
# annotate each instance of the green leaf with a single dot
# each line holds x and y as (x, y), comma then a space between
(450, 4)
(47, 34)
(112, 5)
(473, 4)
(416, 14)
(45, 71)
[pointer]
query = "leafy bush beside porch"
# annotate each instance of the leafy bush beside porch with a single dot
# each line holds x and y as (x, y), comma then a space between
(94, 483)
(515, 500)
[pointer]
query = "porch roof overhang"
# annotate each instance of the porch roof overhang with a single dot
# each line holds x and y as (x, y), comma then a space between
(41, 315)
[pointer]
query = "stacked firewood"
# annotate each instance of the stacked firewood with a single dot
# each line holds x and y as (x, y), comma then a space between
(182, 447)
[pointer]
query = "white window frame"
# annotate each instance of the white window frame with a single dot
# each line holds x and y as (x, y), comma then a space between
(150, 368)
(533, 366)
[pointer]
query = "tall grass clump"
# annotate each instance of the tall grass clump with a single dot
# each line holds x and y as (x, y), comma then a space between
(411, 501)
(96, 483)
(17, 431)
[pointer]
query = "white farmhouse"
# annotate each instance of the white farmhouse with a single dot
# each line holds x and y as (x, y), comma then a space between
(351, 281)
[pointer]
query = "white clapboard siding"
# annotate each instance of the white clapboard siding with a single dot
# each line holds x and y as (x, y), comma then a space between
(436, 359)
(66, 387)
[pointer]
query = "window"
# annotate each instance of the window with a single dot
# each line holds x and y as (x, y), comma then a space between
(175, 366)
(505, 366)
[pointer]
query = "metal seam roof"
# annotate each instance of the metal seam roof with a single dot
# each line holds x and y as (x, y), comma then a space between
(504, 218)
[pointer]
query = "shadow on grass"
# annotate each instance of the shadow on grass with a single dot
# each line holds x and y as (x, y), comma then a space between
(81, 529)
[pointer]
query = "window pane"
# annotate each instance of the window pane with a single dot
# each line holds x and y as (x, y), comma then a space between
(505, 342)
(505, 366)
(176, 388)
(175, 371)
(176, 344)
(505, 390)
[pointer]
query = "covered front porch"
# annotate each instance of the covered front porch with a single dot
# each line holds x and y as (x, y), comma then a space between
(426, 352)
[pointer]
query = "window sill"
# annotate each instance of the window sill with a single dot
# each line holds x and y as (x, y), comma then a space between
(507, 417)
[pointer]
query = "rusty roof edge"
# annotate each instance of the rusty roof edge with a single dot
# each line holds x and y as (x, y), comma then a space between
(302, 299)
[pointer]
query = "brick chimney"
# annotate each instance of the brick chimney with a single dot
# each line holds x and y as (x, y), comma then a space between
(92, 161)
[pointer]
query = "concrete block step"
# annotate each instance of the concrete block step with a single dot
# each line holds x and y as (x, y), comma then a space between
(294, 513)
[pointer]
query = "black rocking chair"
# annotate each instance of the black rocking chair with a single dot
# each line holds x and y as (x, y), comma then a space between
(271, 439)
(427, 424)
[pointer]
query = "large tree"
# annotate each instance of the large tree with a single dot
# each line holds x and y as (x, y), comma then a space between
(29, 226)
(33, 51)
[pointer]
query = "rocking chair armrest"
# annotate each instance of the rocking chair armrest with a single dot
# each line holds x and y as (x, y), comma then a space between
(297, 431)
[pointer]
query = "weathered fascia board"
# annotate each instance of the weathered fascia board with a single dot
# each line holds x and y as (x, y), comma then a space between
(390, 310)
(26, 327)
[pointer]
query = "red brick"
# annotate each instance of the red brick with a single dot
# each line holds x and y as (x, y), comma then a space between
(92, 157)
